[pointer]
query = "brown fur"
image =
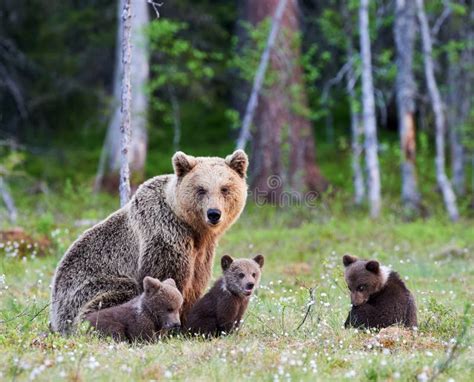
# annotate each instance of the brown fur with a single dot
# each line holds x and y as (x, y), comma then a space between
(222, 308)
(143, 317)
(163, 232)
(379, 297)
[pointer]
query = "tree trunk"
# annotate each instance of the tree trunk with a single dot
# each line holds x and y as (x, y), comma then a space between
(356, 120)
(8, 200)
(456, 98)
(126, 104)
(279, 119)
(356, 132)
(368, 106)
(109, 164)
(404, 30)
(443, 182)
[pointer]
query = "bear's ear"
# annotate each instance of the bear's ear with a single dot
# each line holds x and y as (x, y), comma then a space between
(183, 163)
(238, 161)
(260, 260)
(170, 282)
(226, 261)
(372, 266)
(348, 260)
(150, 284)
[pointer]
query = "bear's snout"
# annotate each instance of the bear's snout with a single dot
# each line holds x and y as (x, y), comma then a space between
(213, 215)
(250, 286)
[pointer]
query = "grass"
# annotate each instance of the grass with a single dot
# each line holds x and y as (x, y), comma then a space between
(303, 250)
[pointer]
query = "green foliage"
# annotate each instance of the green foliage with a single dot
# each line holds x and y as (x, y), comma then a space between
(178, 65)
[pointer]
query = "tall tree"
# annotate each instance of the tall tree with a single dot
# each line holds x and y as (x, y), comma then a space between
(368, 107)
(125, 104)
(281, 116)
(110, 159)
(443, 182)
(354, 104)
(404, 30)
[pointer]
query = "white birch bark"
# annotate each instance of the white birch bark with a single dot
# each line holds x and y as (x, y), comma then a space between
(443, 182)
(368, 106)
(125, 127)
(455, 99)
(404, 30)
(356, 133)
(110, 156)
(8, 200)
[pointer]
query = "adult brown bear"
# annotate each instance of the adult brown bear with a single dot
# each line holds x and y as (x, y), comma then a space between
(169, 229)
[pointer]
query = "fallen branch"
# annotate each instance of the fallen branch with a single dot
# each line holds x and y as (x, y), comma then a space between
(309, 307)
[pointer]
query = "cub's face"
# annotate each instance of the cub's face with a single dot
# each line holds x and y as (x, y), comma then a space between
(242, 276)
(363, 278)
(210, 192)
(163, 300)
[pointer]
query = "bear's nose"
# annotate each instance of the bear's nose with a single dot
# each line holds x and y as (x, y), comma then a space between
(213, 215)
(250, 286)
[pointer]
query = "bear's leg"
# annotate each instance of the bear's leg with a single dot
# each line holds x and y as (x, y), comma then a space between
(96, 293)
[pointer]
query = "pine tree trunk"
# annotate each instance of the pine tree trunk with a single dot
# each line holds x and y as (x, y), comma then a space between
(277, 121)
(368, 106)
(404, 30)
(443, 182)
(110, 158)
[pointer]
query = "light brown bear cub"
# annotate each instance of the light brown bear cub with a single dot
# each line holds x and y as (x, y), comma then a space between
(222, 308)
(379, 297)
(143, 317)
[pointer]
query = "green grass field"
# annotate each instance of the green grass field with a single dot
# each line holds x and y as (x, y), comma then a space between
(303, 250)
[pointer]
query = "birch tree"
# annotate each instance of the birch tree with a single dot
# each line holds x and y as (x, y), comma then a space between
(351, 76)
(444, 184)
(368, 107)
(110, 160)
(404, 30)
(125, 127)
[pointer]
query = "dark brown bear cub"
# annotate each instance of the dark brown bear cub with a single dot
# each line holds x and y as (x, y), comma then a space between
(222, 308)
(378, 295)
(143, 317)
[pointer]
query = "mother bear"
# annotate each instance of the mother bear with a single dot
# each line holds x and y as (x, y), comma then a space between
(169, 229)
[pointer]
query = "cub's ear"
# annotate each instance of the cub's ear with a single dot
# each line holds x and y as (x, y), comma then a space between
(170, 282)
(150, 284)
(226, 261)
(239, 162)
(348, 260)
(183, 163)
(260, 260)
(373, 266)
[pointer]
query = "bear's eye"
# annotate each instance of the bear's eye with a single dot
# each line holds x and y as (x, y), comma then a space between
(225, 190)
(241, 275)
(201, 191)
(253, 274)
(361, 288)
(170, 310)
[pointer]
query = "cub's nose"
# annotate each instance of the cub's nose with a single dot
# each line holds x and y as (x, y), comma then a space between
(213, 215)
(250, 286)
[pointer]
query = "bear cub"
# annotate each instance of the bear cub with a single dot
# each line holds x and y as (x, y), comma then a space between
(379, 297)
(222, 308)
(141, 318)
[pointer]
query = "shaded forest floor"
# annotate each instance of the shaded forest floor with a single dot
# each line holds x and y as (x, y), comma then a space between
(303, 249)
